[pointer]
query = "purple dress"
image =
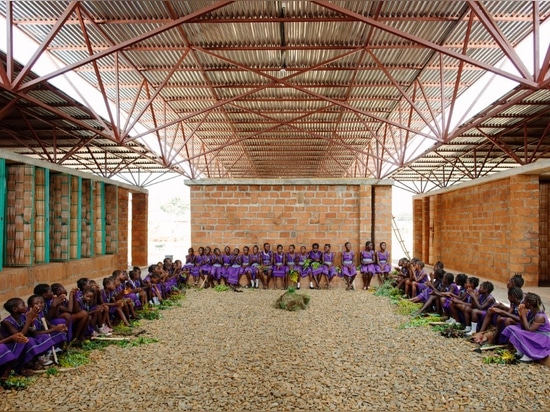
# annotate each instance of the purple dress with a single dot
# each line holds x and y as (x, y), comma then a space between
(328, 265)
(454, 289)
(57, 337)
(535, 344)
(255, 262)
(421, 282)
(227, 261)
(279, 268)
(316, 257)
(383, 265)
(37, 345)
(216, 268)
(246, 266)
(291, 261)
(348, 268)
(60, 321)
(367, 261)
(206, 264)
(234, 271)
(266, 259)
(11, 351)
(300, 265)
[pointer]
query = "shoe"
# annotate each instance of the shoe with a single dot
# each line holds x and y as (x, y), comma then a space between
(467, 329)
(58, 350)
(104, 330)
(525, 358)
(451, 321)
(94, 334)
(45, 360)
(470, 333)
(298, 287)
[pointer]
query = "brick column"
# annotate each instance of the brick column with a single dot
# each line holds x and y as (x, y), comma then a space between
(418, 224)
(139, 228)
(434, 232)
(122, 250)
(383, 216)
(365, 215)
(524, 227)
(426, 236)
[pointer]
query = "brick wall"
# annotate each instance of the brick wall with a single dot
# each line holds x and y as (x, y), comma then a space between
(140, 212)
(485, 229)
(248, 212)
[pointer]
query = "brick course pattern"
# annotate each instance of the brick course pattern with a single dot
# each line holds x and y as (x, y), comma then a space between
(490, 230)
(249, 212)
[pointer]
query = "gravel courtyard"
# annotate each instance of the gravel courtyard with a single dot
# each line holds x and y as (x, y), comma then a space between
(235, 351)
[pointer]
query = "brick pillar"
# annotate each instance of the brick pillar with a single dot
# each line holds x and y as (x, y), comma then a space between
(122, 251)
(524, 227)
(418, 224)
(383, 216)
(139, 228)
(365, 215)
(426, 236)
(434, 231)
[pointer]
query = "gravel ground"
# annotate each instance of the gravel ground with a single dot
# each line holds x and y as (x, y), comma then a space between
(235, 351)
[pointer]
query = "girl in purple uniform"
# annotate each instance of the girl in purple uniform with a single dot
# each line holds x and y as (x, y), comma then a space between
(12, 349)
(41, 326)
(315, 267)
(190, 259)
(348, 266)
(383, 263)
(302, 271)
(531, 337)
(246, 268)
(256, 259)
(368, 268)
(290, 258)
(196, 271)
(267, 265)
(206, 267)
(480, 302)
(216, 270)
(227, 260)
(22, 321)
(234, 270)
(327, 258)
(279, 267)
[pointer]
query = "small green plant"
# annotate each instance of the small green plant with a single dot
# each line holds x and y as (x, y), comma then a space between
(419, 322)
(52, 371)
(406, 307)
(501, 356)
(17, 382)
(142, 340)
(74, 358)
(221, 288)
(293, 275)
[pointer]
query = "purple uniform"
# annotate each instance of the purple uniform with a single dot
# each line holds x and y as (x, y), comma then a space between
(37, 345)
(234, 271)
(300, 261)
(536, 344)
(348, 268)
(328, 265)
(316, 258)
(367, 261)
(383, 265)
(279, 268)
(216, 268)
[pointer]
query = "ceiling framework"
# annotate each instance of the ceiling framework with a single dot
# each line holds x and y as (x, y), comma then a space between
(276, 88)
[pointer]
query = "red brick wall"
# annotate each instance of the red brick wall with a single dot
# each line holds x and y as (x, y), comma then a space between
(140, 212)
(238, 213)
(489, 230)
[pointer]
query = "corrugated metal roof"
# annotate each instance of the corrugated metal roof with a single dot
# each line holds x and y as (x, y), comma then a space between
(231, 86)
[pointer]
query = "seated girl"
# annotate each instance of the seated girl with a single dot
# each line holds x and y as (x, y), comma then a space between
(12, 350)
(531, 336)
(501, 316)
(21, 321)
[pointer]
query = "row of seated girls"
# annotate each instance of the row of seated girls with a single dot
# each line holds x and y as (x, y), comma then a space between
(54, 317)
(522, 323)
(279, 268)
